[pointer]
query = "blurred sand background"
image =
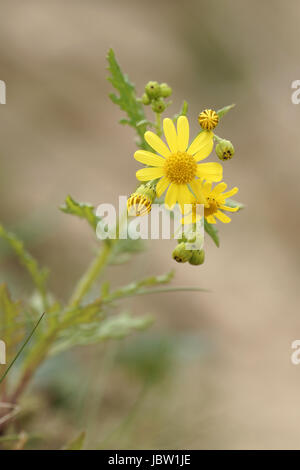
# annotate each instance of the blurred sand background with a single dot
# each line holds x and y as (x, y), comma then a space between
(232, 384)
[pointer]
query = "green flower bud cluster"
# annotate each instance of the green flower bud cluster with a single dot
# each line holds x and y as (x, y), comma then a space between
(155, 95)
(182, 255)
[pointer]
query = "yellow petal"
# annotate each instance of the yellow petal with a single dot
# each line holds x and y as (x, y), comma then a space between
(184, 197)
(162, 186)
(149, 158)
(210, 171)
(146, 174)
(157, 144)
(230, 193)
(207, 187)
(170, 134)
(204, 151)
(171, 196)
(183, 133)
(229, 209)
(198, 191)
(210, 219)
(200, 141)
(223, 217)
(219, 188)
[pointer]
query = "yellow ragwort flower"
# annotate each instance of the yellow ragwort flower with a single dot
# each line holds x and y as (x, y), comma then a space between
(208, 119)
(177, 165)
(215, 203)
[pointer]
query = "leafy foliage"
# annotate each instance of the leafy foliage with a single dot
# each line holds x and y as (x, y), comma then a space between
(127, 99)
(122, 325)
(38, 275)
(81, 209)
(137, 287)
(112, 327)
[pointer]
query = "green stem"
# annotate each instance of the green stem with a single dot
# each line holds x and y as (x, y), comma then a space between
(158, 124)
(87, 280)
(90, 276)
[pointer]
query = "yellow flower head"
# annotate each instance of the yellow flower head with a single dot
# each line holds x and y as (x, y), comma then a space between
(177, 166)
(215, 203)
(208, 119)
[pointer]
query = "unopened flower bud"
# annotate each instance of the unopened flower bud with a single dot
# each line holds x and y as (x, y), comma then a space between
(208, 119)
(181, 254)
(152, 89)
(158, 106)
(165, 90)
(145, 99)
(197, 257)
(140, 202)
(225, 149)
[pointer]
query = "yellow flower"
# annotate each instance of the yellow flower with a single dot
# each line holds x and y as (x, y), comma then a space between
(177, 165)
(215, 203)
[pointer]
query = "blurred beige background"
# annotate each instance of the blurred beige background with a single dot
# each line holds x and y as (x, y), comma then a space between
(59, 134)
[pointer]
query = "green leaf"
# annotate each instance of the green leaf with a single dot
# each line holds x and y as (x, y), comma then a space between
(233, 203)
(11, 326)
(123, 249)
(114, 327)
(135, 287)
(126, 98)
(212, 232)
(38, 275)
(85, 314)
(221, 112)
(80, 209)
(77, 443)
(123, 325)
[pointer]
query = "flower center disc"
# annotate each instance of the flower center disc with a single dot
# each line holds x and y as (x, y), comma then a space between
(180, 168)
(213, 207)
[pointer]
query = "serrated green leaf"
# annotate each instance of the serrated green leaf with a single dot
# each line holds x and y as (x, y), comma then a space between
(38, 275)
(135, 287)
(126, 99)
(81, 209)
(123, 325)
(115, 327)
(212, 232)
